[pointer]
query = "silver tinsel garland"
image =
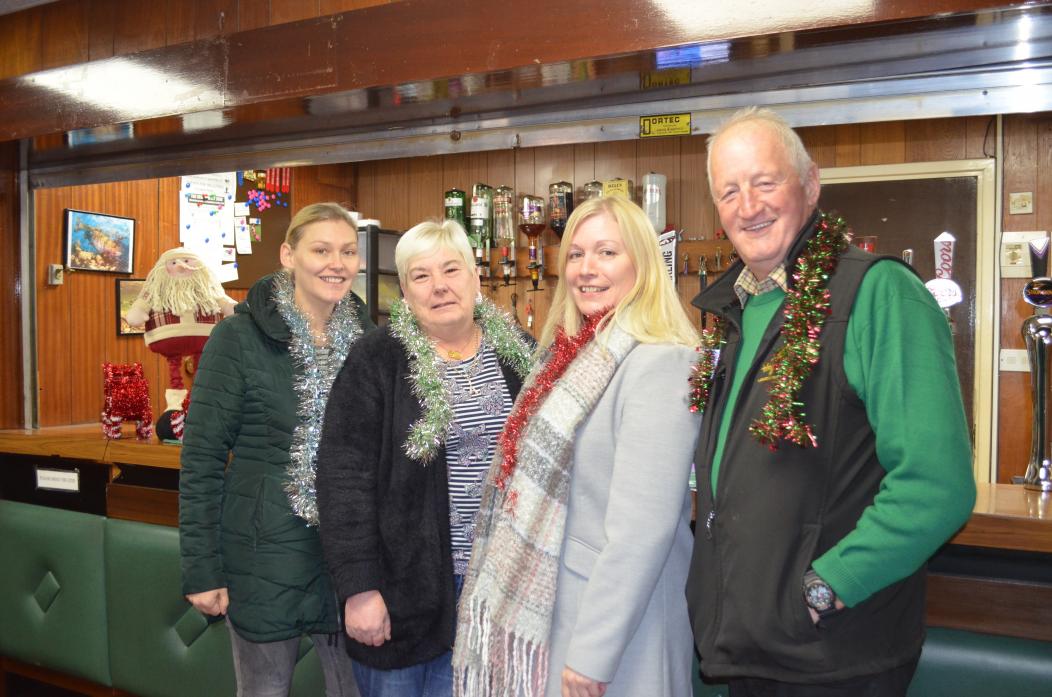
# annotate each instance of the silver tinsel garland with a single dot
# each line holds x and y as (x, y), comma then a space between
(312, 382)
(428, 433)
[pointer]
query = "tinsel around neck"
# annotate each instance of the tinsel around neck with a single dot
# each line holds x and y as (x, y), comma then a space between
(806, 307)
(313, 375)
(428, 433)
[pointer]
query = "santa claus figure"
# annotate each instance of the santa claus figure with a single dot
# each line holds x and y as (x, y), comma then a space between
(179, 305)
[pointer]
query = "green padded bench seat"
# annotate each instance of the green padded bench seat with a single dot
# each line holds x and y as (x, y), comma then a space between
(52, 602)
(159, 645)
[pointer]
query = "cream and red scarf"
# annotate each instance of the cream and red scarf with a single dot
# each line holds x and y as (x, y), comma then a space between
(505, 614)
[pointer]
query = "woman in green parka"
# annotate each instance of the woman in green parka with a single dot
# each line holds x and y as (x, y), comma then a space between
(248, 529)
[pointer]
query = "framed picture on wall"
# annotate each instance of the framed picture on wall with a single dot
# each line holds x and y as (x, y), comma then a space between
(99, 242)
(127, 290)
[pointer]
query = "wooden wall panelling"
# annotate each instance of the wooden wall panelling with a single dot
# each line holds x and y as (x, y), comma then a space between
(282, 11)
(366, 188)
(180, 19)
(583, 166)
(54, 356)
(20, 52)
(848, 145)
(980, 136)
(253, 14)
(331, 7)
(215, 18)
(1020, 166)
(1020, 173)
(102, 24)
(425, 190)
(934, 140)
(10, 290)
(883, 143)
(391, 205)
(139, 26)
(821, 144)
(615, 159)
(64, 33)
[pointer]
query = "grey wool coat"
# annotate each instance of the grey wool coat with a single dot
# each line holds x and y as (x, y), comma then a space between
(621, 612)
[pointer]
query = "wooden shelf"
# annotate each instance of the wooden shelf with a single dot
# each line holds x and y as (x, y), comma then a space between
(1007, 516)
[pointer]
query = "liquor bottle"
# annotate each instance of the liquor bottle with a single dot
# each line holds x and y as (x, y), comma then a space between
(454, 200)
(593, 189)
(532, 224)
(560, 206)
(480, 230)
(504, 232)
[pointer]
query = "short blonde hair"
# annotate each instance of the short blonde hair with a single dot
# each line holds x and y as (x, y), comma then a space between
(651, 310)
(316, 213)
(426, 238)
(794, 147)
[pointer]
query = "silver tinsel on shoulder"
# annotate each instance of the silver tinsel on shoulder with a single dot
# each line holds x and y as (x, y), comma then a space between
(312, 382)
(428, 433)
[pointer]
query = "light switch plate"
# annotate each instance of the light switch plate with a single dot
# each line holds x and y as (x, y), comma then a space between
(1014, 360)
(1020, 202)
(1015, 256)
(55, 274)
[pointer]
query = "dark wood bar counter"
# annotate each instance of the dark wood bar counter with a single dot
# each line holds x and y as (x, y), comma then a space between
(1007, 516)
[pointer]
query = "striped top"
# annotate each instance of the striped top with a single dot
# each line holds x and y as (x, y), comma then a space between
(481, 404)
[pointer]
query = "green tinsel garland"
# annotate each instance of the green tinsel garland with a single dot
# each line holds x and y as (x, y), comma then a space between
(428, 433)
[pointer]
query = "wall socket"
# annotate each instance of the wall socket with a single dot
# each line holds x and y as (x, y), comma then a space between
(1015, 254)
(55, 274)
(1014, 360)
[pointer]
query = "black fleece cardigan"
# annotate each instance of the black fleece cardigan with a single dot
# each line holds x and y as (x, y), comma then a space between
(384, 518)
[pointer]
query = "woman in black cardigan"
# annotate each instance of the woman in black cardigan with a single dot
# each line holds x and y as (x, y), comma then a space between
(410, 429)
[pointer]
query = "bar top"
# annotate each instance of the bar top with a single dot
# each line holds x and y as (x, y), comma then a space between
(86, 442)
(1006, 516)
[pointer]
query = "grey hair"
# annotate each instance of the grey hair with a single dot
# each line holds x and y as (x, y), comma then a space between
(794, 147)
(426, 238)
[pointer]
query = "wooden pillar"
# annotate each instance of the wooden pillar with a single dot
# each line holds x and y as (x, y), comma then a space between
(11, 290)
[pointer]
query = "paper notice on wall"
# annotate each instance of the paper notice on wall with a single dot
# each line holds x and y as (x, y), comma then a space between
(240, 208)
(242, 235)
(229, 254)
(206, 215)
(226, 273)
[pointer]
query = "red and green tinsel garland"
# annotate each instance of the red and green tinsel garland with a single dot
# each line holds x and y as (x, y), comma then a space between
(807, 305)
(701, 372)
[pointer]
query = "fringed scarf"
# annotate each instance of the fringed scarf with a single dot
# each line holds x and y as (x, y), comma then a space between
(505, 614)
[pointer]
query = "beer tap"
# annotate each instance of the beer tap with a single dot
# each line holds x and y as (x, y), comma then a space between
(1037, 333)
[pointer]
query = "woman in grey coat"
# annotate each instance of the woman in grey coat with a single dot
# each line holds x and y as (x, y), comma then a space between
(576, 583)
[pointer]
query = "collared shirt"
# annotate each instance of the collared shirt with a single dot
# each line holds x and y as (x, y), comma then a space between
(747, 283)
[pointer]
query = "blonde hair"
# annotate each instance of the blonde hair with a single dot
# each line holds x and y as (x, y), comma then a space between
(316, 213)
(794, 147)
(426, 238)
(651, 310)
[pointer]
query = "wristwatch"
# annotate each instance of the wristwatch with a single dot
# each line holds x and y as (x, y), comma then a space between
(818, 595)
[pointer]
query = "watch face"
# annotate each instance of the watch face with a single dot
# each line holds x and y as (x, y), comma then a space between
(819, 596)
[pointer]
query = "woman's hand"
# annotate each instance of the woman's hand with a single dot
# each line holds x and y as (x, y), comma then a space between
(213, 602)
(577, 685)
(365, 618)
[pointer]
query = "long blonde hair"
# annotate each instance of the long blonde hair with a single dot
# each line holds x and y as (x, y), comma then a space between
(651, 311)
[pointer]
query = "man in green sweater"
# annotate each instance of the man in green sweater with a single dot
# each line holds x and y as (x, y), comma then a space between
(834, 446)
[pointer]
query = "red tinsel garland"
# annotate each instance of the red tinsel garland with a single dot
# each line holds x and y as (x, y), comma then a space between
(563, 351)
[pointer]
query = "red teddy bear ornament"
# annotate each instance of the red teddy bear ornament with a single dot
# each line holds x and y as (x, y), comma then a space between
(127, 397)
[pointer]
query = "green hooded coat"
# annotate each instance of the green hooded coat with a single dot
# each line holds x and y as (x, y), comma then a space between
(237, 529)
